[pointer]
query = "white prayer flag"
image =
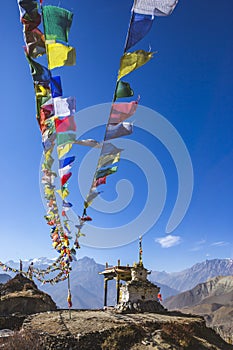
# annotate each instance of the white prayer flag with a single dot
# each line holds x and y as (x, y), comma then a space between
(154, 7)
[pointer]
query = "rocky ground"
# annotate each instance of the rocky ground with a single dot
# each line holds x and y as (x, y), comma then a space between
(107, 330)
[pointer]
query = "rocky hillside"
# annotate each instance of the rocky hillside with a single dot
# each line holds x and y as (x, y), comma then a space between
(198, 273)
(21, 295)
(213, 300)
(106, 330)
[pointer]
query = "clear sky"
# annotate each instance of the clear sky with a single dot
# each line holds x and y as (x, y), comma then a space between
(189, 82)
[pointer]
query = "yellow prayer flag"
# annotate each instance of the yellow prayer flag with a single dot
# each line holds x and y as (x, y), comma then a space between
(63, 193)
(133, 60)
(60, 55)
(63, 149)
(108, 159)
(48, 191)
(41, 91)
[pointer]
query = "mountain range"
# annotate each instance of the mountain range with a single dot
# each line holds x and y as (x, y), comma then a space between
(4, 277)
(87, 285)
(213, 300)
(198, 273)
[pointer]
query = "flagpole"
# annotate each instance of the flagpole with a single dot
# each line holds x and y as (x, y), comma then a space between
(69, 296)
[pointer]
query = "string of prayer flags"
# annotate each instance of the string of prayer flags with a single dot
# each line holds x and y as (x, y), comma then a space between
(123, 89)
(155, 7)
(60, 55)
(122, 111)
(140, 25)
(133, 60)
(56, 88)
(57, 23)
(64, 106)
(65, 124)
(118, 130)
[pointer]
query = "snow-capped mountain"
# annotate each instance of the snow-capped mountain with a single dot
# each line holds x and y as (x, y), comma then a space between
(198, 273)
(87, 285)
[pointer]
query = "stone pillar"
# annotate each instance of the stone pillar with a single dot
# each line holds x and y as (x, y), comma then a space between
(105, 291)
(118, 289)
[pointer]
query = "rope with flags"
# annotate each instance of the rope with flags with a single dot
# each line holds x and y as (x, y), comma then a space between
(55, 115)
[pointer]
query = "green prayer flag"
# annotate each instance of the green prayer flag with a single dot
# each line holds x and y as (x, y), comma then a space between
(63, 138)
(105, 172)
(123, 90)
(57, 23)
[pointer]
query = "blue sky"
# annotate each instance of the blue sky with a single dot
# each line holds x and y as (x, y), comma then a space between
(189, 82)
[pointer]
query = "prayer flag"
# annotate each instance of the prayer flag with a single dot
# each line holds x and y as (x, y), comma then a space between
(27, 7)
(60, 55)
(64, 106)
(100, 181)
(122, 111)
(57, 23)
(109, 148)
(56, 87)
(31, 21)
(155, 7)
(88, 142)
(62, 139)
(105, 172)
(133, 60)
(66, 205)
(63, 193)
(65, 178)
(64, 170)
(39, 73)
(139, 27)
(123, 90)
(108, 160)
(67, 161)
(118, 130)
(65, 124)
(35, 42)
(63, 149)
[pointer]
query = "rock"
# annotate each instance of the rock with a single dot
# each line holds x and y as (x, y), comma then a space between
(20, 296)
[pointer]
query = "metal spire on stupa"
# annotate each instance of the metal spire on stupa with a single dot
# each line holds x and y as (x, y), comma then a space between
(140, 251)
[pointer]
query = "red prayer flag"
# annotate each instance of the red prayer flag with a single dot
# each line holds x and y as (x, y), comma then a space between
(65, 124)
(100, 181)
(65, 178)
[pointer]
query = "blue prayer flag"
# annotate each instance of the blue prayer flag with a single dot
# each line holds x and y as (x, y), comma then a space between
(56, 87)
(64, 162)
(139, 27)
